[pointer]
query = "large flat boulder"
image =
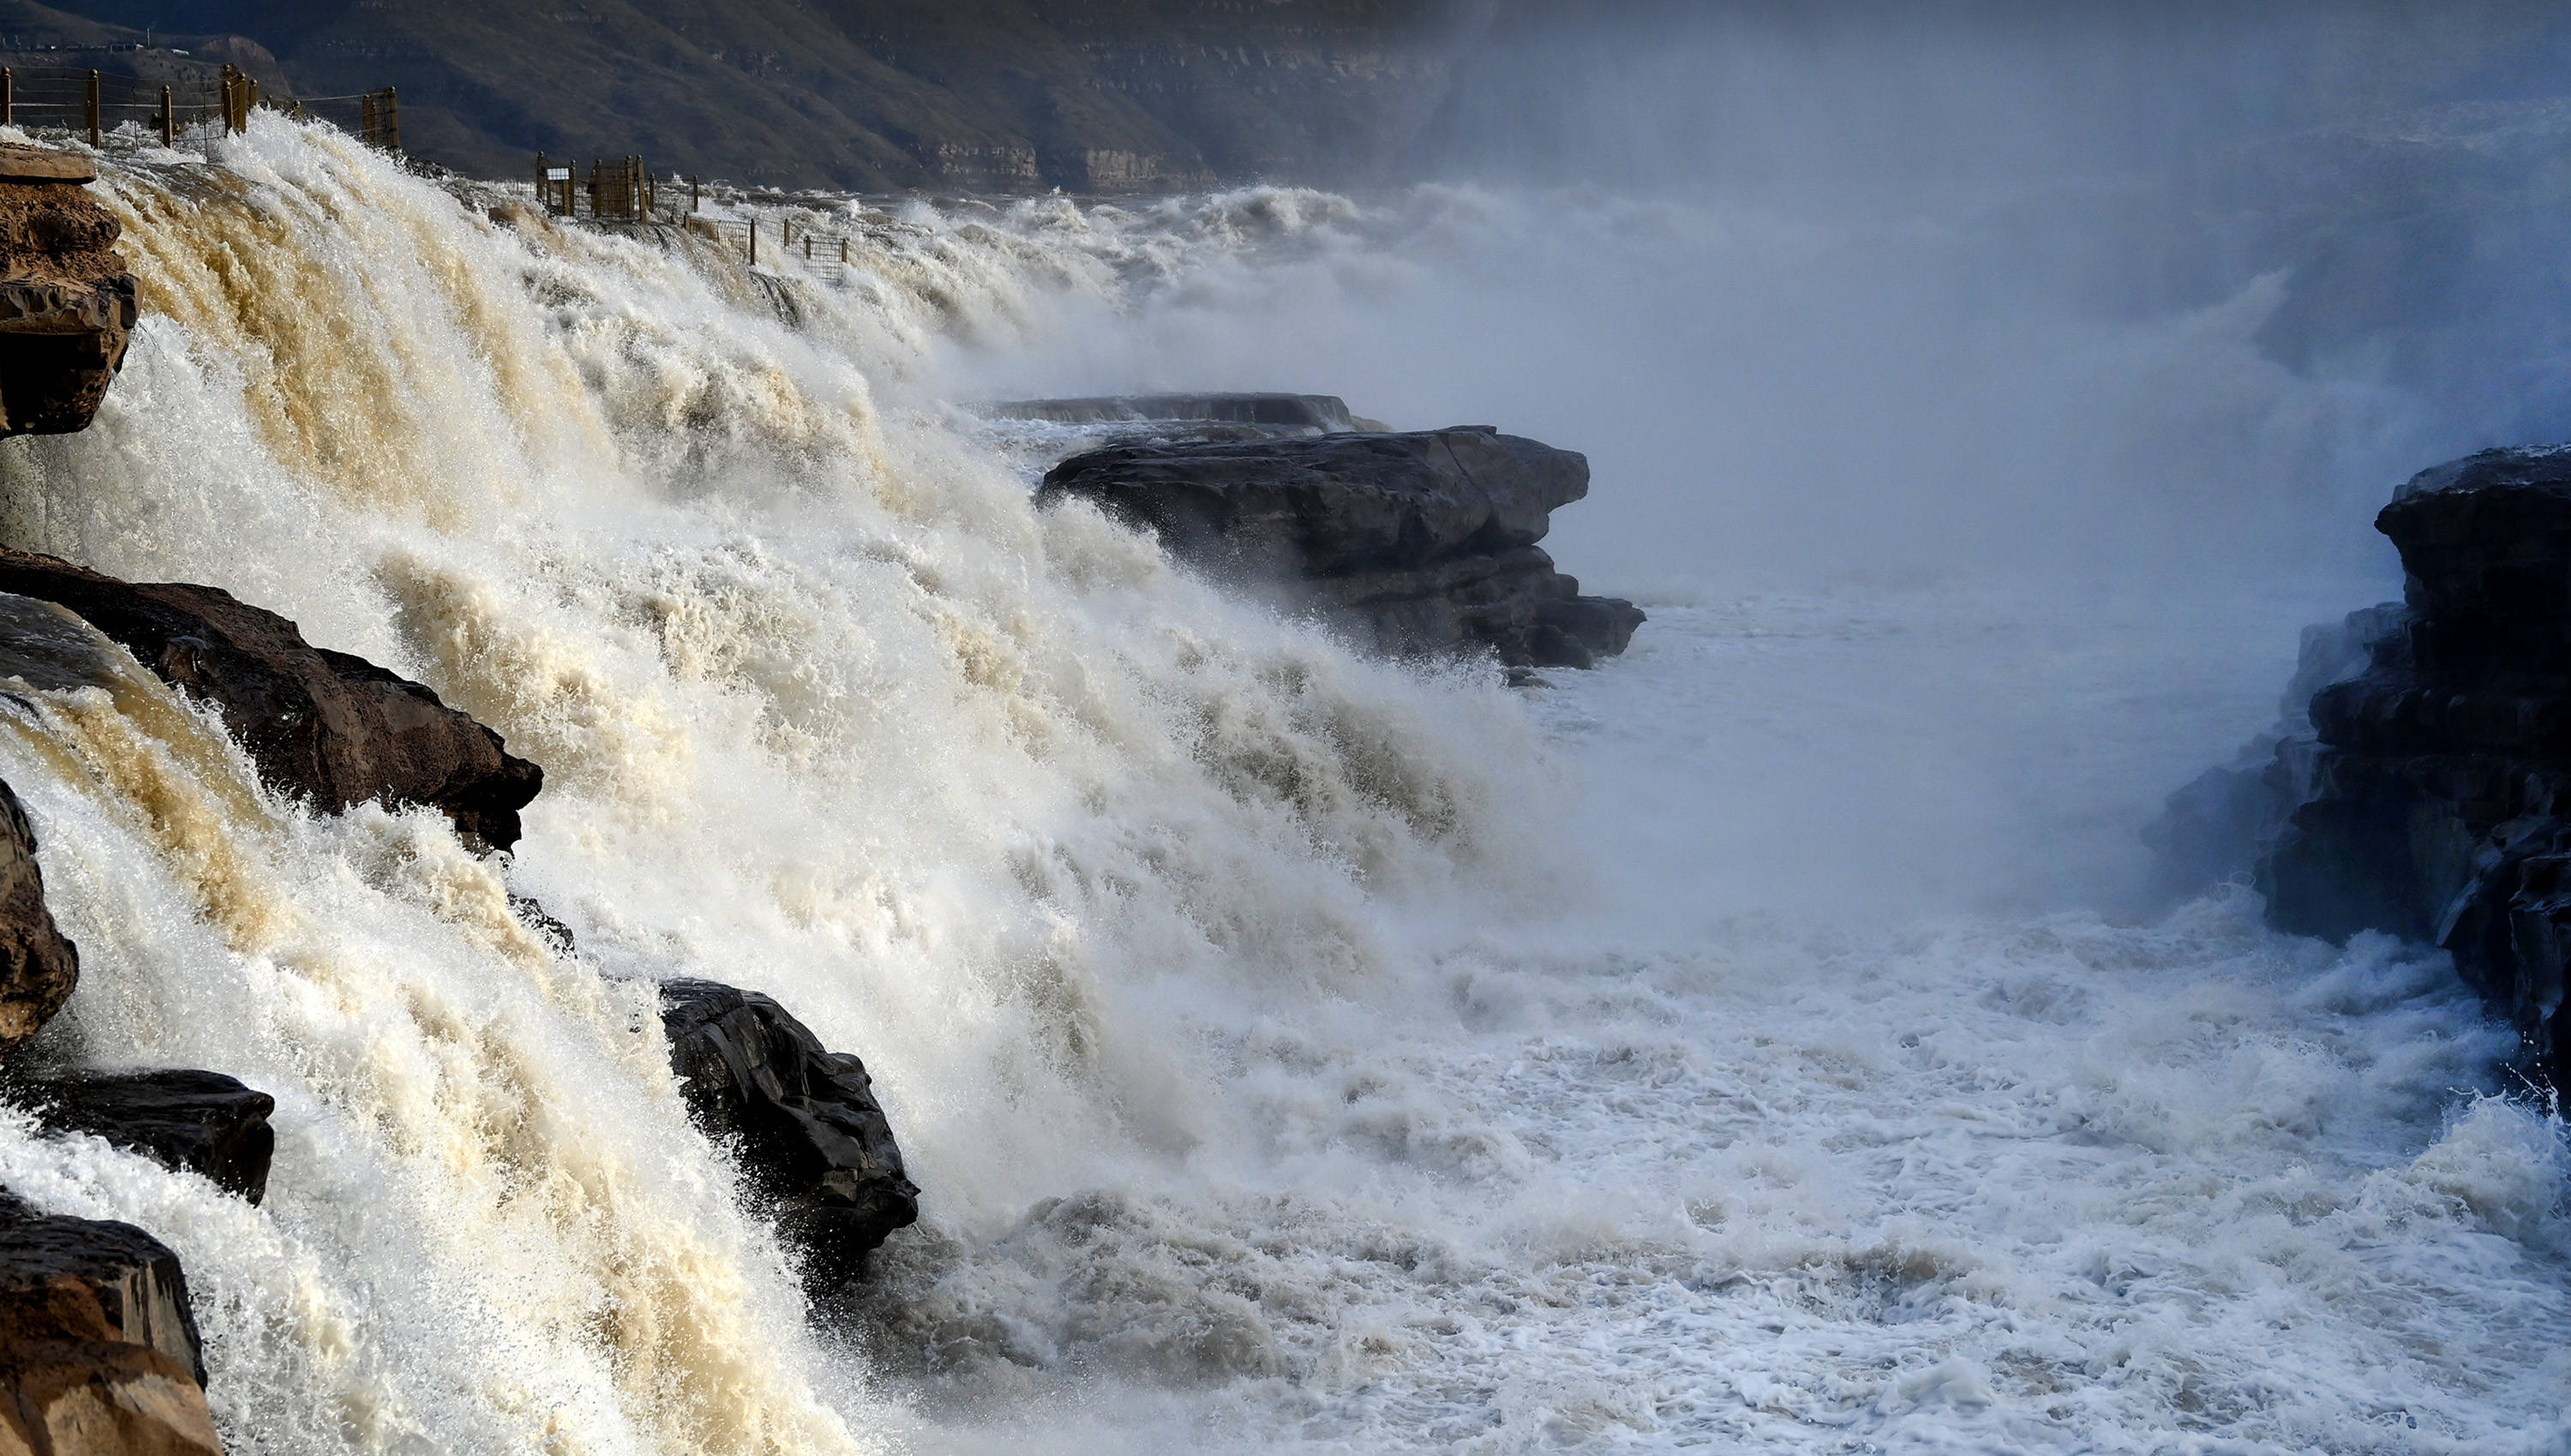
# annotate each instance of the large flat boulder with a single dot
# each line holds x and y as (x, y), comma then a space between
(99, 1352)
(814, 1146)
(1425, 541)
(322, 726)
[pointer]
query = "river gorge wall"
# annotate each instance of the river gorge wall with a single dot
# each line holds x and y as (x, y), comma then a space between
(2419, 784)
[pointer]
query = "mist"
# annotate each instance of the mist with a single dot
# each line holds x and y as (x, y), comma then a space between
(2080, 342)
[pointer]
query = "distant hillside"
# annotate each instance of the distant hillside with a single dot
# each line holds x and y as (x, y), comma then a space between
(999, 95)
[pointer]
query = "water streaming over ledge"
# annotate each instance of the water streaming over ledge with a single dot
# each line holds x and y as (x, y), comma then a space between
(1226, 991)
(827, 709)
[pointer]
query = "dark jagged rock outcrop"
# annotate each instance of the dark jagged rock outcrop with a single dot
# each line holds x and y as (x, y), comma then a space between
(66, 301)
(98, 1353)
(1425, 541)
(813, 1144)
(39, 966)
(2437, 801)
(2218, 827)
(198, 1121)
(324, 725)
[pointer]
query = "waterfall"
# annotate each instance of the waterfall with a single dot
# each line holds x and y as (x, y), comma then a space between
(827, 709)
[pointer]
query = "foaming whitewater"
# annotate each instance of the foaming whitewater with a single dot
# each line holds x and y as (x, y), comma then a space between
(1297, 1051)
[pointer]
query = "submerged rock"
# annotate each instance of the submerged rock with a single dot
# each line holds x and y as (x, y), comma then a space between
(39, 966)
(67, 304)
(1425, 541)
(813, 1141)
(2438, 805)
(322, 726)
(98, 1350)
(198, 1121)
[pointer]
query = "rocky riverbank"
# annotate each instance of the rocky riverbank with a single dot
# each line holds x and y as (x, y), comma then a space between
(2421, 782)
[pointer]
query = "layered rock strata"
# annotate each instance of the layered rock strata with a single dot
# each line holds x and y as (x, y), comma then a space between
(99, 1352)
(813, 1144)
(67, 304)
(1421, 542)
(2436, 804)
(322, 726)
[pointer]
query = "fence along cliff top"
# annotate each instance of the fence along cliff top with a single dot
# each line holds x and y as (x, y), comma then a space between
(73, 99)
(623, 190)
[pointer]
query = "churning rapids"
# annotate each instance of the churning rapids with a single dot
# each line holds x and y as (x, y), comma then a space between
(1751, 1045)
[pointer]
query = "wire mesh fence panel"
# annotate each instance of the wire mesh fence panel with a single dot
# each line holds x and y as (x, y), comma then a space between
(814, 253)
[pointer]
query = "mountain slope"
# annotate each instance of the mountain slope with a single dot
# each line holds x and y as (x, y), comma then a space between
(1018, 95)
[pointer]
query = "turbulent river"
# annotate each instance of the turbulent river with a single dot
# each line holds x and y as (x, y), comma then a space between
(1763, 1042)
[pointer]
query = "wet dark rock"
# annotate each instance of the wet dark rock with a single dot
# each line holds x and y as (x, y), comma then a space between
(2216, 828)
(99, 1352)
(323, 726)
(813, 1141)
(38, 965)
(531, 913)
(198, 1121)
(1424, 542)
(2438, 805)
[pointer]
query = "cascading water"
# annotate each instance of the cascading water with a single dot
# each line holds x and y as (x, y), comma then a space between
(1287, 1059)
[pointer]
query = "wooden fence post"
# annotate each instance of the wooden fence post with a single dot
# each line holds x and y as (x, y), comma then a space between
(8, 96)
(753, 243)
(695, 187)
(168, 130)
(93, 109)
(844, 252)
(393, 120)
(367, 118)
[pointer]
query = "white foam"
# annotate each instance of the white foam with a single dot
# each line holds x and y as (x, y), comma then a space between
(1297, 1051)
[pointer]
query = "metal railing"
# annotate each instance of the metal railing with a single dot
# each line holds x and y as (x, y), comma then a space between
(83, 100)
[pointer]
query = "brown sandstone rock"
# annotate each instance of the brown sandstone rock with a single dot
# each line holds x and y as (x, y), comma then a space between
(66, 305)
(328, 727)
(99, 1352)
(38, 966)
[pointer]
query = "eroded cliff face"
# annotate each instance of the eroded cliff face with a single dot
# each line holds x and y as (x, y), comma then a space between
(2420, 782)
